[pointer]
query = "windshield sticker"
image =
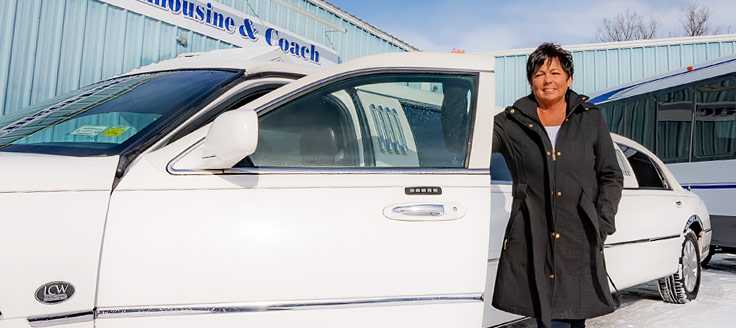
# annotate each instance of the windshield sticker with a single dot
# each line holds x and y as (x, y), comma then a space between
(69, 108)
(115, 131)
(88, 130)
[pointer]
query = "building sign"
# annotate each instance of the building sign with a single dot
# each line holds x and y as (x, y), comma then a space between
(224, 23)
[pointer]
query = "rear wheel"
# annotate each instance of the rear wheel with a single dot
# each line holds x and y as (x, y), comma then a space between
(683, 285)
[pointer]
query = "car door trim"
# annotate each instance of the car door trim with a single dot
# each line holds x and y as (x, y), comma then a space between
(317, 170)
(227, 308)
(645, 240)
(61, 318)
(128, 312)
(357, 170)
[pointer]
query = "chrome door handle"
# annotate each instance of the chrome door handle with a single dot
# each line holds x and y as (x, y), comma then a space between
(420, 210)
(678, 203)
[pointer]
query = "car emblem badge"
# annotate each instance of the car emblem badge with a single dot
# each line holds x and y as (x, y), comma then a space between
(54, 292)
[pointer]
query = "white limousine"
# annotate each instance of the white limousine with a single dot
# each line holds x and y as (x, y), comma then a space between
(213, 190)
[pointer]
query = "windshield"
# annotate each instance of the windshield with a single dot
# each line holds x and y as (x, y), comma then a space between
(108, 117)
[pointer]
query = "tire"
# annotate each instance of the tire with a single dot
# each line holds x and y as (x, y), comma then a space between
(683, 285)
(706, 260)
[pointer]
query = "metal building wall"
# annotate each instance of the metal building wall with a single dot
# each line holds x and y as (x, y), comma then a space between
(607, 65)
(49, 47)
(356, 42)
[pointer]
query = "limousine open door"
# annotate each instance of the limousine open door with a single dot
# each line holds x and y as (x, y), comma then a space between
(365, 203)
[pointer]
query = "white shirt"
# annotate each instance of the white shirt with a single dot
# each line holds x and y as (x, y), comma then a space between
(552, 133)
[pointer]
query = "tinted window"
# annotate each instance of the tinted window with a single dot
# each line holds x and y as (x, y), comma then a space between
(647, 173)
(388, 120)
(614, 114)
(105, 118)
(640, 120)
(715, 121)
(674, 116)
(633, 118)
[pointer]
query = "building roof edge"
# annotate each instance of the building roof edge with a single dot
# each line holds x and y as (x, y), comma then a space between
(362, 24)
(622, 44)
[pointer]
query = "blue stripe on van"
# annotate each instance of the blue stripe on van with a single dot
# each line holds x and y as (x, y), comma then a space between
(710, 186)
(607, 95)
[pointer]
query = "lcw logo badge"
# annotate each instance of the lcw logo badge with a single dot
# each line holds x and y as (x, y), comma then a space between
(54, 292)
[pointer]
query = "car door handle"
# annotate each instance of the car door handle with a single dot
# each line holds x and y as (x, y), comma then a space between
(677, 203)
(420, 210)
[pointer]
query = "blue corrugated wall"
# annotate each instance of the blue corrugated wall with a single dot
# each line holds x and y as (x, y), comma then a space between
(49, 47)
(601, 69)
(357, 42)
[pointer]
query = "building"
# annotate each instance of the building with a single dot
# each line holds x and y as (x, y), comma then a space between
(603, 65)
(49, 47)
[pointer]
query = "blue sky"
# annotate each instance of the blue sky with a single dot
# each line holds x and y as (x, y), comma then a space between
(477, 26)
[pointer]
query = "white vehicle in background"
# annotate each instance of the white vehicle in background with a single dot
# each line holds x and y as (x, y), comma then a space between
(662, 230)
(198, 192)
(688, 118)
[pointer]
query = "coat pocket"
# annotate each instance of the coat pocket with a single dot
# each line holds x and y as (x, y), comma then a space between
(592, 214)
(516, 211)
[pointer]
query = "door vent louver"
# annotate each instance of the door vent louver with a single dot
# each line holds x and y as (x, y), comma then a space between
(390, 133)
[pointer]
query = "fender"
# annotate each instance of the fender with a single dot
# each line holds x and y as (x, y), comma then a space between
(694, 219)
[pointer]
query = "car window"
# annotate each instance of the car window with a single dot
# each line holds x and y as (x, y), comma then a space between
(622, 163)
(108, 117)
(407, 120)
(648, 174)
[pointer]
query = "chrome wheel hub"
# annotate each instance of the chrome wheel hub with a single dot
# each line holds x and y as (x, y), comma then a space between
(689, 266)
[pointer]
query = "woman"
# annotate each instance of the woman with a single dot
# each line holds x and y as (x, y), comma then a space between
(567, 186)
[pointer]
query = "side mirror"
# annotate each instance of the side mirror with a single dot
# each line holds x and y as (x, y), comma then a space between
(232, 136)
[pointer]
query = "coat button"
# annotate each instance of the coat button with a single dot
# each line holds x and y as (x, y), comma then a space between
(587, 108)
(557, 236)
(512, 111)
(549, 153)
(559, 153)
(531, 125)
(559, 193)
(552, 276)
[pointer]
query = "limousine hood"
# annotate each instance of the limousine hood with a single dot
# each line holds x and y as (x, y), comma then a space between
(38, 173)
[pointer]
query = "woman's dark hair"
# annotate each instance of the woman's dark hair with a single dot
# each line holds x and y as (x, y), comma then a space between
(548, 51)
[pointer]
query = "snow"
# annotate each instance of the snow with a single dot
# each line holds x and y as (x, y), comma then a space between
(641, 306)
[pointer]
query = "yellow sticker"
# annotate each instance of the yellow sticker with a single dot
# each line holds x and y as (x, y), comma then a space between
(115, 131)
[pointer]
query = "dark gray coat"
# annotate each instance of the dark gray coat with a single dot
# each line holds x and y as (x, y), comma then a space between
(565, 198)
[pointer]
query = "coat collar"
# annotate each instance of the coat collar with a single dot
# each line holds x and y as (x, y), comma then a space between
(528, 105)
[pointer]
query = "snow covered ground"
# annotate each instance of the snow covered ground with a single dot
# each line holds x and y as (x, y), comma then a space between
(641, 305)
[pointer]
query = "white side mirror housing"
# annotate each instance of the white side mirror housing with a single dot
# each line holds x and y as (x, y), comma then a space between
(231, 137)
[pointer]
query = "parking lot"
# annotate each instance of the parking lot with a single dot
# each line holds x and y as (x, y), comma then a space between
(642, 307)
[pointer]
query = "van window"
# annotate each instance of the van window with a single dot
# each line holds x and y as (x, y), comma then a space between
(715, 121)
(674, 121)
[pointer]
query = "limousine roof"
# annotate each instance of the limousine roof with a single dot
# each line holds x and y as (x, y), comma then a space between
(253, 60)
